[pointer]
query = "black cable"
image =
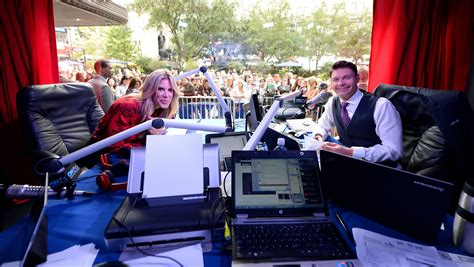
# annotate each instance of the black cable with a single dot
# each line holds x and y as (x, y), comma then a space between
(85, 178)
(139, 249)
(225, 178)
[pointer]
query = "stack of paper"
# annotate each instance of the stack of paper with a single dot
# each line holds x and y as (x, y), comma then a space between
(74, 256)
(378, 250)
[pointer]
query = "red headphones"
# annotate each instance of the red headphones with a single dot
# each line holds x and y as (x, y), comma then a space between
(106, 179)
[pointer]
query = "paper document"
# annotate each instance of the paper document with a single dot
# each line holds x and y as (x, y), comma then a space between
(310, 143)
(74, 256)
(187, 256)
(455, 260)
(378, 250)
(173, 165)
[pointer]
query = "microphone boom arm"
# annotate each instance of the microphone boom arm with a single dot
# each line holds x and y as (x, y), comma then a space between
(217, 92)
(262, 127)
(56, 166)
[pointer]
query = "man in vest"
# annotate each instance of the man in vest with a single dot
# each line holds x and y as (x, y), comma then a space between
(369, 127)
(102, 90)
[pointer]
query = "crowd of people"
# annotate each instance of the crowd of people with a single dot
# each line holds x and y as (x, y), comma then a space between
(237, 86)
(369, 127)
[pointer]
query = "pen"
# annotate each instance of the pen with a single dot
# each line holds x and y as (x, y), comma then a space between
(348, 233)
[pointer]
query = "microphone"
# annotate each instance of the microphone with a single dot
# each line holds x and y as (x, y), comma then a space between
(31, 191)
(320, 98)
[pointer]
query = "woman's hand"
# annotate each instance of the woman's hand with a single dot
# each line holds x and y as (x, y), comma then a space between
(159, 131)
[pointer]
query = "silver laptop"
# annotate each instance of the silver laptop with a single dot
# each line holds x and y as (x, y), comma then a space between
(279, 213)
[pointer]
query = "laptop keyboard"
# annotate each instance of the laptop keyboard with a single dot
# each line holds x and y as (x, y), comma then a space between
(320, 241)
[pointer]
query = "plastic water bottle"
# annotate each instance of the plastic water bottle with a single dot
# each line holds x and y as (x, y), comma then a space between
(280, 145)
(262, 146)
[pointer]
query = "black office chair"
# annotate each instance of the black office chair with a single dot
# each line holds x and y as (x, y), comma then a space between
(58, 118)
(438, 131)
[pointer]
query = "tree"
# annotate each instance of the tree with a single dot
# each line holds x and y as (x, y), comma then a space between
(91, 39)
(319, 32)
(192, 23)
(354, 43)
(118, 44)
(270, 32)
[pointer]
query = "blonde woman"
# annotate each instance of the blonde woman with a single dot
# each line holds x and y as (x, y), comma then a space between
(158, 98)
(312, 87)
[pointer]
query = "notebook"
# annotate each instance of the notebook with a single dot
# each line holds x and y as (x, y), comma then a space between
(410, 203)
(277, 194)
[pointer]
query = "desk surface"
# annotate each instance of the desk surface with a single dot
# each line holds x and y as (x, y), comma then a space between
(84, 219)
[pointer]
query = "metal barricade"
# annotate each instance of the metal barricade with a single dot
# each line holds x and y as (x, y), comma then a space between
(203, 107)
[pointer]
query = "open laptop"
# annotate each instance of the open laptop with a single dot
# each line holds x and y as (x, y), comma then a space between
(228, 142)
(279, 213)
(410, 203)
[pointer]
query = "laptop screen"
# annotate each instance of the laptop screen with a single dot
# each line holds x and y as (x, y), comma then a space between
(227, 143)
(276, 183)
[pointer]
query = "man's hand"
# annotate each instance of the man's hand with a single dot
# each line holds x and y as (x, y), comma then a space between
(337, 149)
(318, 137)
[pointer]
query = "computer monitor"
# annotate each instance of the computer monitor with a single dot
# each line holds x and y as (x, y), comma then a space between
(227, 143)
(255, 112)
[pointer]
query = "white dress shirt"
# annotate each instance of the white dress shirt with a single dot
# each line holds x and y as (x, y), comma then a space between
(388, 127)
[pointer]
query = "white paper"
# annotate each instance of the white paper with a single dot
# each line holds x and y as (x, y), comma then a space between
(175, 131)
(311, 143)
(187, 256)
(455, 260)
(173, 165)
(74, 256)
(378, 250)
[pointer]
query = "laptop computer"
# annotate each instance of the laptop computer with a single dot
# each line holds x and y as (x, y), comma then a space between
(278, 210)
(228, 142)
(410, 203)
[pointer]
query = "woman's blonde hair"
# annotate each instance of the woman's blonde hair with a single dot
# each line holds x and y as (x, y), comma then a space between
(149, 90)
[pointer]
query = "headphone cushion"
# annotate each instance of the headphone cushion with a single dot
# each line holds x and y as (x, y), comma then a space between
(105, 180)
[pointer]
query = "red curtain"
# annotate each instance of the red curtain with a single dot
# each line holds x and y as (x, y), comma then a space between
(425, 43)
(28, 56)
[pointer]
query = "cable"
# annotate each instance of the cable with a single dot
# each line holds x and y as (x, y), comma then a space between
(139, 249)
(85, 178)
(225, 177)
(215, 220)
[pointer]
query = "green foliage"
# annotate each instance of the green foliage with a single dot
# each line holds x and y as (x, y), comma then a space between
(91, 39)
(190, 64)
(119, 45)
(270, 32)
(354, 44)
(203, 20)
(262, 67)
(324, 71)
(144, 63)
(320, 28)
(231, 65)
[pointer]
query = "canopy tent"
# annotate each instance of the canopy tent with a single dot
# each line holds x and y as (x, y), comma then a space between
(288, 64)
